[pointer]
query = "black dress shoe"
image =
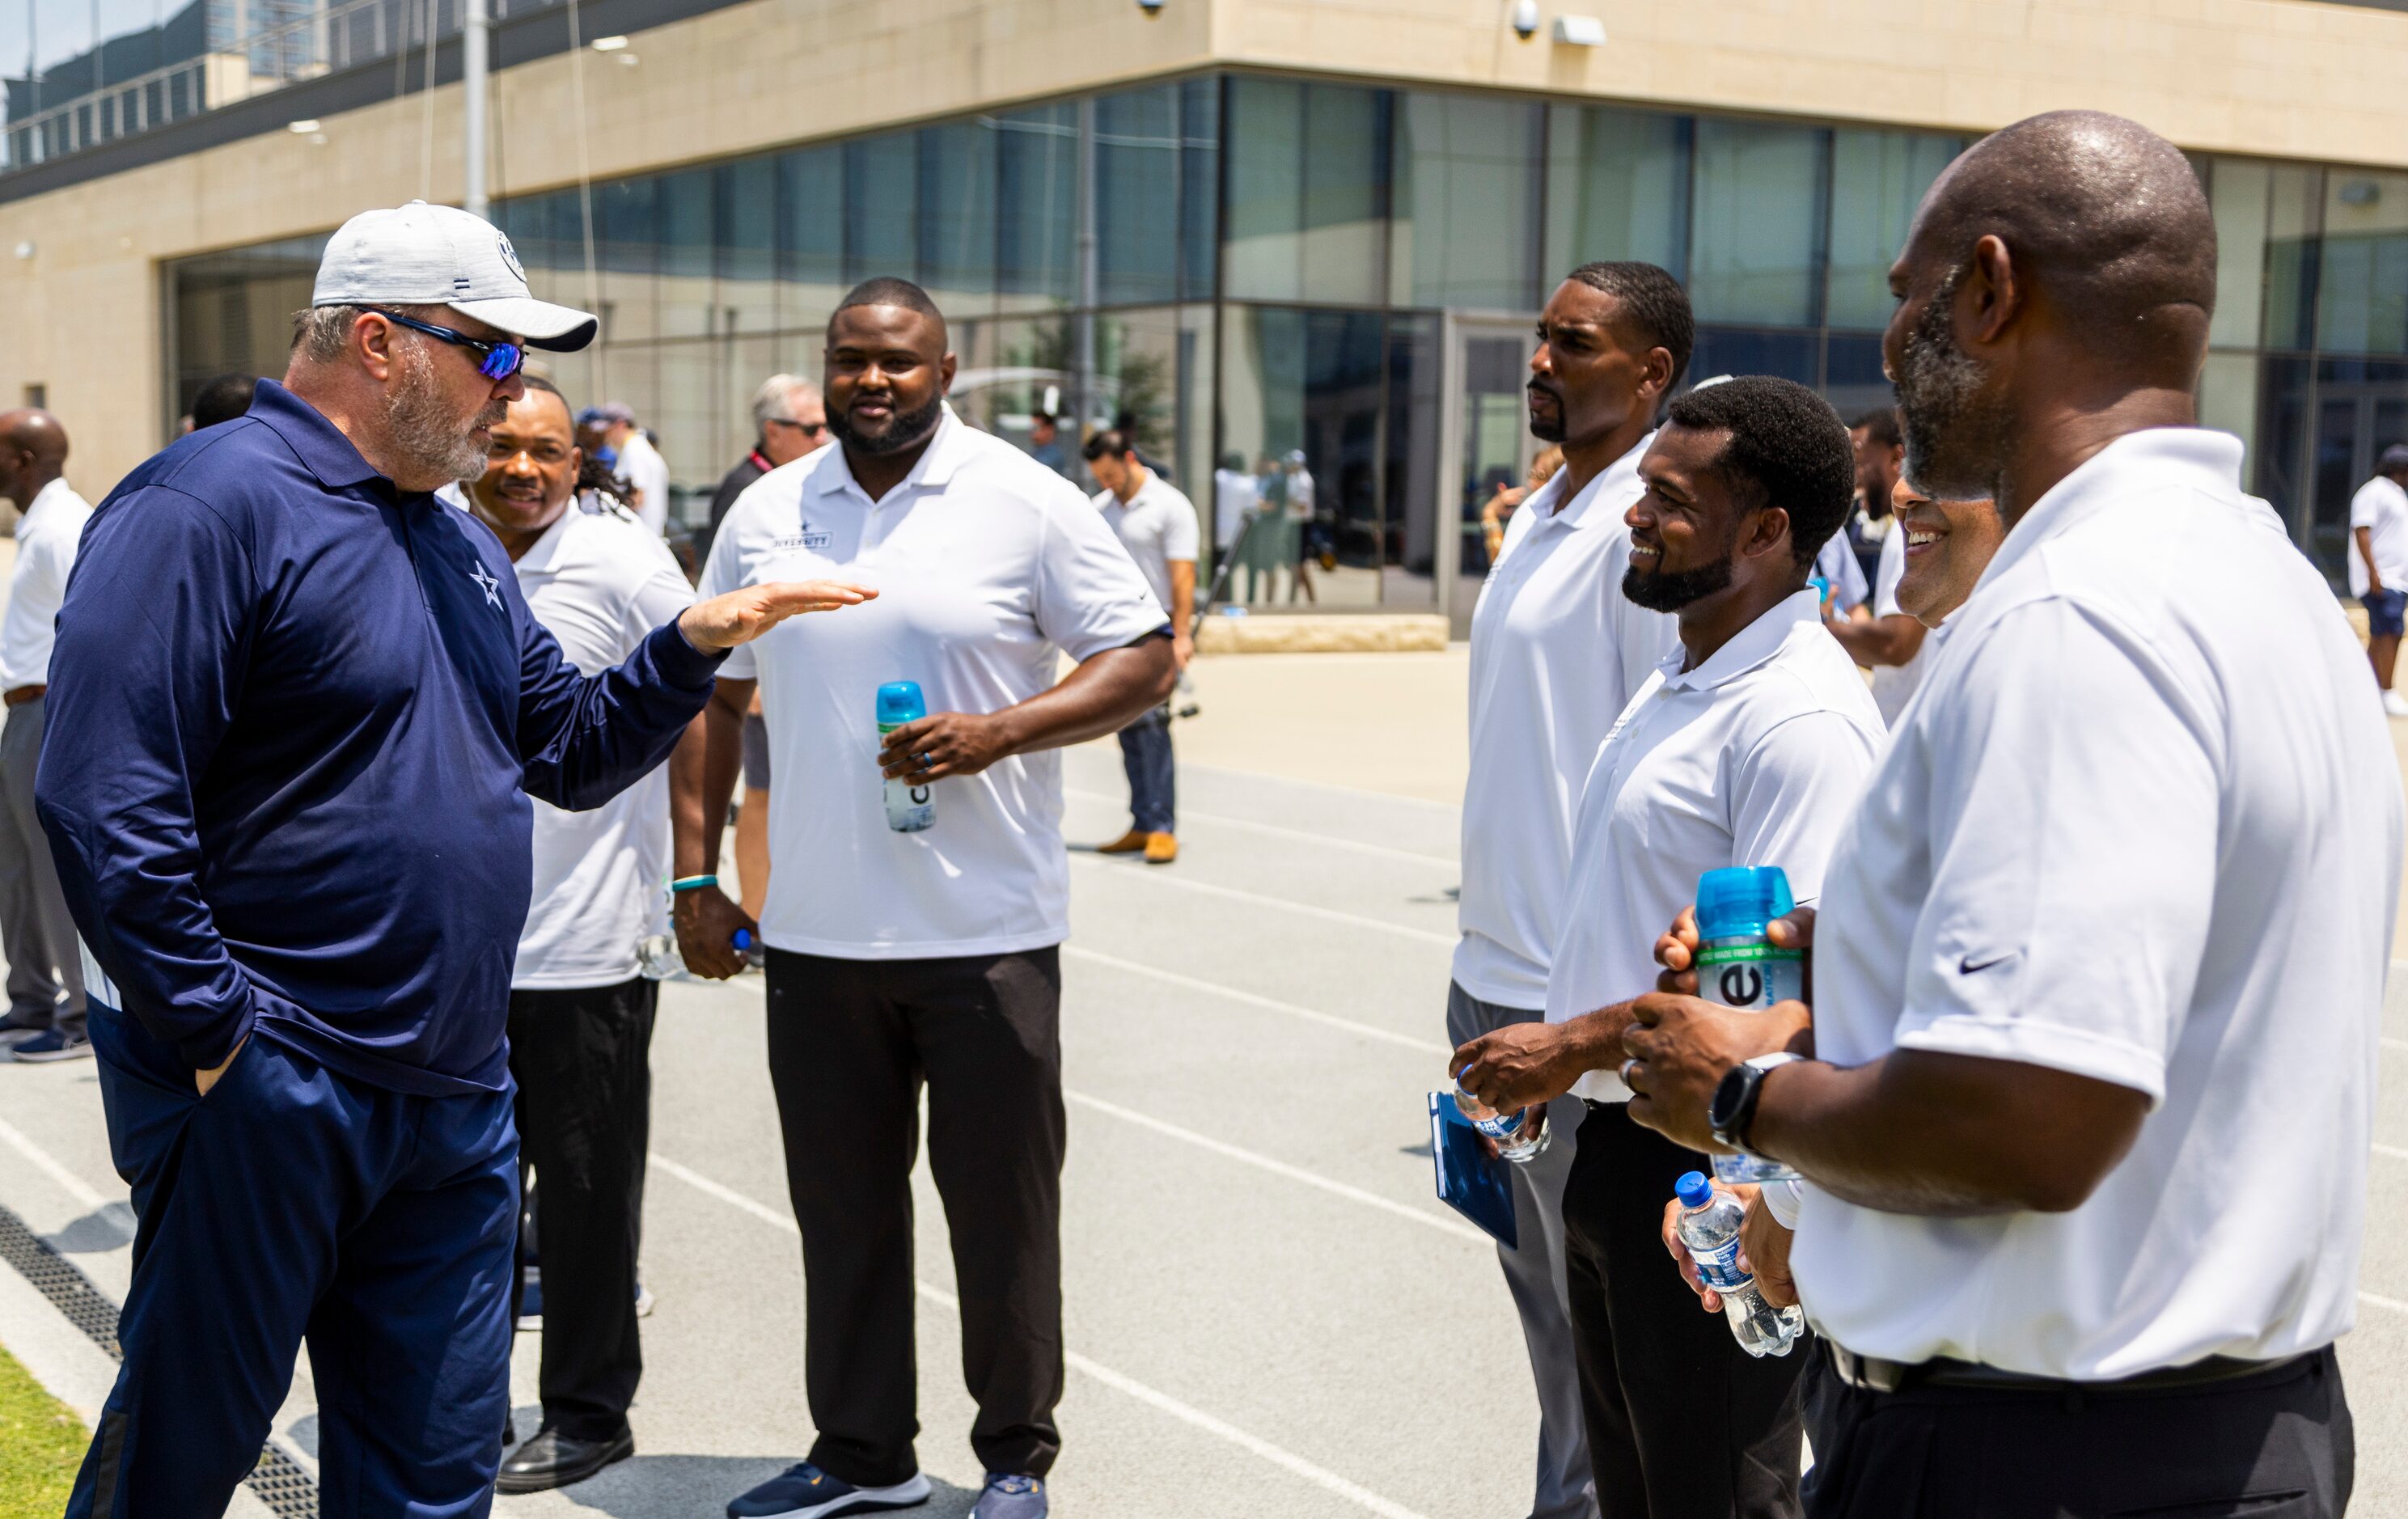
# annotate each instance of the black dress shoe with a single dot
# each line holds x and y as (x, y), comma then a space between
(552, 1460)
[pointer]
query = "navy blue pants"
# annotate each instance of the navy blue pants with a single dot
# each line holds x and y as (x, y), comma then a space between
(295, 1204)
(1145, 751)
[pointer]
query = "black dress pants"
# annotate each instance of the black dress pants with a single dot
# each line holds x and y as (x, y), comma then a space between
(850, 1043)
(582, 1062)
(1681, 1423)
(2278, 1445)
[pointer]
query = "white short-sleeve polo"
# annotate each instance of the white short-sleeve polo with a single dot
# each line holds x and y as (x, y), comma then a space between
(2380, 507)
(2143, 823)
(1893, 683)
(601, 581)
(1157, 527)
(1557, 650)
(1755, 758)
(990, 567)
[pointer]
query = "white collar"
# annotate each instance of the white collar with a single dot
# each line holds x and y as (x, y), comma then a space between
(936, 465)
(1617, 477)
(543, 555)
(1748, 648)
(56, 489)
(2146, 461)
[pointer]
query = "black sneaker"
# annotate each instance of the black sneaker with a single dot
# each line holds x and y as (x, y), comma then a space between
(51, 1044)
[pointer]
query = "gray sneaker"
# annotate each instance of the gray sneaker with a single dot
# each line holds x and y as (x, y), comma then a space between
(1010, 1496)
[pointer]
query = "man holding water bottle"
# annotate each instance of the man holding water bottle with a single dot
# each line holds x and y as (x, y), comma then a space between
(2101, 957)
(896, 953)
(1743, 748)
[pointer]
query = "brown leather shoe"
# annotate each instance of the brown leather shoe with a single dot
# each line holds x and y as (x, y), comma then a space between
(1127, 843)
(1161, 848)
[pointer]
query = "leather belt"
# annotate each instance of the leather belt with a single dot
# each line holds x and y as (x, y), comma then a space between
(1872, 1373)
(20, 695)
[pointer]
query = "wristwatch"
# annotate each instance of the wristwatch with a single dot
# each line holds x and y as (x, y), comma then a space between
(1733, 1107)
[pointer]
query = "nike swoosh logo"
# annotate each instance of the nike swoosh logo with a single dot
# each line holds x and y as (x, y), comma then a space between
(1967, 968)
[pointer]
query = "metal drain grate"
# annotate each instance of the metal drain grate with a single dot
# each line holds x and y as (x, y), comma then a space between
(278, 1480)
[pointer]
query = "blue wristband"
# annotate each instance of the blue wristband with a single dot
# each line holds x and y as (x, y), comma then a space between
(689, 884)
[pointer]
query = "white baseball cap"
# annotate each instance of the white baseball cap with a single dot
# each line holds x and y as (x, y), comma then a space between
(434, 256)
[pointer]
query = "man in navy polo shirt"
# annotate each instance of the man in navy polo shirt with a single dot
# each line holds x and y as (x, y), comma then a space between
(297, 705)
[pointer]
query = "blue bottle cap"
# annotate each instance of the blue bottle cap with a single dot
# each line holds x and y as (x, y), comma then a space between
(1694, 1190)
(742, 939)
(1738, 901)
(899, 701)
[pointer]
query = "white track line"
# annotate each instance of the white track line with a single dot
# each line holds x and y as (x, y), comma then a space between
(2380, 1302)
(69, 1182)
(1114, 962)
(1321, 1477)
(1280, 904)
(1439, 1222)
(2392, 1150)
(1328, 785)
(2396, 1045)
(1222, 820)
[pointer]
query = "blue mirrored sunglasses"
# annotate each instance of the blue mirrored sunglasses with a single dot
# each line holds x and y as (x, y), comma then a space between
(496, 362)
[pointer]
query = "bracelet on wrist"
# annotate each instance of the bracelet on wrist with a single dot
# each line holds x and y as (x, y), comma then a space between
(691, 883)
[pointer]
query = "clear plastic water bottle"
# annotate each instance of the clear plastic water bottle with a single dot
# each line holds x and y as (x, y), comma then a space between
(1521, 1136)
(909, 807)
(1739, 969)
(659, 958)
(1710, 1229)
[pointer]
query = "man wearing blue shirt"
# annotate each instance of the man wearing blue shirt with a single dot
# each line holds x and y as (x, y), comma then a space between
(297, 705)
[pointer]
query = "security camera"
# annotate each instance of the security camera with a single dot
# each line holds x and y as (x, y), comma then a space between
(1151, 7)
(1525, 19)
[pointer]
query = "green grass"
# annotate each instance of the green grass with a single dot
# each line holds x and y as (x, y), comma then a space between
(41, 1444)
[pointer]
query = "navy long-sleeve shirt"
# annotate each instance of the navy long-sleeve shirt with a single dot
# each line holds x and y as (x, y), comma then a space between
(294, 714)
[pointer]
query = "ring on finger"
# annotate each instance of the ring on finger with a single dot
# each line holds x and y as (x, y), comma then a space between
(1628, 1067)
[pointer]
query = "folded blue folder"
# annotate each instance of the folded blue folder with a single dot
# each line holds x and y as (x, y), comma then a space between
(1473, 1183)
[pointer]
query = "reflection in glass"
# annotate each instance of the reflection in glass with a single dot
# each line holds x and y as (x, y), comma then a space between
(1308, 191)
(626, 231)
(1136, 194)
(2238, 190)
(810, 235)
(1743, 351)
(1302, 404)
(2294, 202)
(1199, 186)
(687, 305)
(1877, 180)
(1757, 222)
(882, 206)
(957, 215)
(2362, 287)
(1466, 203)
(1617, 188)
(2227, 396)
(1037, 200)
(747, 191)
(1409, 562)
(233, 312)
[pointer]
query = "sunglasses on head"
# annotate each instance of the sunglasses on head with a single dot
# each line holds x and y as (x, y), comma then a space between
(496, 362)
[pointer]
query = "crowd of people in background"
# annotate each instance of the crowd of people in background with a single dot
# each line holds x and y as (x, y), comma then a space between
(2098, 865)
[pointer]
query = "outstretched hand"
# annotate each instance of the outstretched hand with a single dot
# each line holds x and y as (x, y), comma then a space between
(741, 616)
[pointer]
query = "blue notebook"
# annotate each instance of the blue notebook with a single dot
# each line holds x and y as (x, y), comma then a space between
(1470, 1181)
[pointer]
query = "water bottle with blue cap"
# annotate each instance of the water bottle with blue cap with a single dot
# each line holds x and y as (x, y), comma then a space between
(1738, 967)
(909, 807)
(1709, 1230)
(1520, 1136)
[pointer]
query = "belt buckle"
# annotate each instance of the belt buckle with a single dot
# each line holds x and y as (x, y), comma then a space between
(1867, 1373)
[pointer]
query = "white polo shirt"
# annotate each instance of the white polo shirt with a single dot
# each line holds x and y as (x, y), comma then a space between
(1893, 683)
(48, 536)
(643, 467)
(1557, 652)
(2380, 506)
(2143, 824)
(1753, 758)
(1156, 527)
(990, 567)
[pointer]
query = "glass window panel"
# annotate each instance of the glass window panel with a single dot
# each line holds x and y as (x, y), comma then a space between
(882, 204)
(626, 230)
(2228, 395)
(1409, 569)
(1853, 381)
(1199, 186)
(2294, 201)
(747, 191)
(1725, 351)
(1306, 382)
(2238, 190)
(1617, 188)
(687, 296)
(956, 216)
(1467, 205)
(233, 313)
(1037, 168)
(1029, 355)
(2362, 289)
(1755, 230)
(1307, 225)
(811, 237)
(2281, 438)
(1877, 180)
(1136, 195)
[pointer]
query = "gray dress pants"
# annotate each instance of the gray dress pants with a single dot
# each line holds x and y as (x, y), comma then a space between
(45, 976)
(1535, 1275)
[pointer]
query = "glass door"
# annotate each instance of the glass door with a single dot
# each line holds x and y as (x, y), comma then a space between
(1487, 447)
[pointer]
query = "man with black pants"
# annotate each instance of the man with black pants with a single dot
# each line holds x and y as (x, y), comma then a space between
(581, 1020)
(898, 957)
(1745, 746)
(1557, 650)
(2088, 1098)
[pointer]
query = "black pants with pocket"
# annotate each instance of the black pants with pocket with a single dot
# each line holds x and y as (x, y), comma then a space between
(851, 1042)
(2278, 1445)
(583, 1060)
(1681, 1423)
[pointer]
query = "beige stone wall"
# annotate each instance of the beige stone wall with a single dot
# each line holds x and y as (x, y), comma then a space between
(2286, 77)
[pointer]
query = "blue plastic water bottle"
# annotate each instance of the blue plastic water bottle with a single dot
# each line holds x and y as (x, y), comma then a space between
(1739, 969)
(909, 807)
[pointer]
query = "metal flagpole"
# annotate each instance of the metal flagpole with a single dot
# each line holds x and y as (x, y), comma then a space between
(475, 33)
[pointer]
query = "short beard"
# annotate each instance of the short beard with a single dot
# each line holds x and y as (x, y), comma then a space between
(420, 426)
(903, 430)
(1669, 591)
(1956, 435)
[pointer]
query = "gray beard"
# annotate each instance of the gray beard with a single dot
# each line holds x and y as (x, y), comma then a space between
(419, 426)
(1957, 434)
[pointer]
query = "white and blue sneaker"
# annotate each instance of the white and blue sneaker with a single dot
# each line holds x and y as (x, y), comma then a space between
(1010, 1496)
(803, 1491)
